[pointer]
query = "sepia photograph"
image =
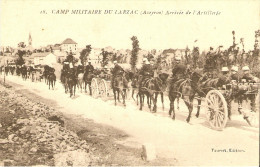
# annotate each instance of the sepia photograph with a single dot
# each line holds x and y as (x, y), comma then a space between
(129, 83)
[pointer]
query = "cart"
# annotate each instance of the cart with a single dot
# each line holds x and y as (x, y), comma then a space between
(217, 108)
(101, 87)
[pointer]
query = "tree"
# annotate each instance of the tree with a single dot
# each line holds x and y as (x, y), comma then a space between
(69, 58)
(159, 62)
(134, 53)
(114, 57)
(21, 52)
(84, 54)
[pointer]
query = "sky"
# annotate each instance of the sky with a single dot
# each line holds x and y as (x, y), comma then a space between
(18, 18)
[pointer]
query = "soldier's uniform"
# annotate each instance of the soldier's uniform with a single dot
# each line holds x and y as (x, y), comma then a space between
(234, 75)
(146, 72)
(89, 68)
(179, 70)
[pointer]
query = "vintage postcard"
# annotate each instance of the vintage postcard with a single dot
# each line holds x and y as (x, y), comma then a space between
(129, 83)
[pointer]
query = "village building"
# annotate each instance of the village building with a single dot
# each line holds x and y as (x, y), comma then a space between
(46, 58)
(68, 45)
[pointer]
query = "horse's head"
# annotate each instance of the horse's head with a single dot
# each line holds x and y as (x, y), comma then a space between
(195, 77)
(163, 77)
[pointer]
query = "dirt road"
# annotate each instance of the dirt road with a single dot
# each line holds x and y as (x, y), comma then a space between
(176, 141)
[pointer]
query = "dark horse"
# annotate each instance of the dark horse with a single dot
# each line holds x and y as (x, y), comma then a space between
(203, 87)
(150, 87)
(24, 72)
(119, 86)
(181, 88)
(51, 80)
(87, 78)
(72, 81)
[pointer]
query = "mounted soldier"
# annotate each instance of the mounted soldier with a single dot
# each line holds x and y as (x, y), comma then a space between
(118, 71)
(147, 70)
(179, 70)
(51, 70)
(89, 68)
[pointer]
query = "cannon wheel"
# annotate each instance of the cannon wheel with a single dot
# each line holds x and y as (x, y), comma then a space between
(94, 88)
(216, 110)
(103, 89)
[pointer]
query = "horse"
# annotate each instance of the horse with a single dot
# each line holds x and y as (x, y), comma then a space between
(203, 87)
(181, 88)
(136, 78)
(72, 82)
(38, 75)
(52, 80)
(119, 86)
(150, 87)
(80, 82)
(46, 73)
(7, 70)
(87, 78)
(24, 72)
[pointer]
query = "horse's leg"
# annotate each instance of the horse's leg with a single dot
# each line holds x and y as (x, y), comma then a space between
(85, 86)
(90, 90)
(190, 107)
(171, 111)
(74, 90)
(229, 108)
(114, 91)
(178, 102)
(149, 101)
(141, 100)
(154, 102)
(70, 89)
(123, 93)
(118, 98)
(133, 91)
(162, 100)
(198, 108)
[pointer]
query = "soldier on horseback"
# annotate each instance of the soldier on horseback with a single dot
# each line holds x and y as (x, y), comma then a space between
(118, 71)
(89, 68)
(179, 70)
(146, 72)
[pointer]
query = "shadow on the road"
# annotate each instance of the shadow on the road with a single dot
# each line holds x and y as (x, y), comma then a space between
(74, 97)
(241, 125)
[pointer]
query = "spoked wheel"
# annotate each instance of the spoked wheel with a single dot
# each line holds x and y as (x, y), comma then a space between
(216, 110)
(94, 88)
(103, 90)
